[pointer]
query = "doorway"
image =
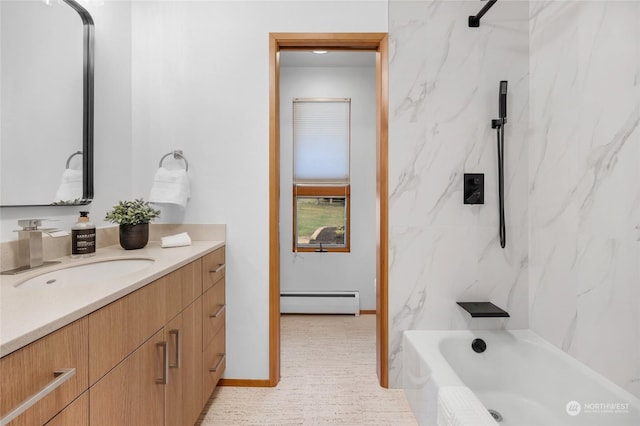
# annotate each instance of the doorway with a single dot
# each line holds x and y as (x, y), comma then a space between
(374, 42)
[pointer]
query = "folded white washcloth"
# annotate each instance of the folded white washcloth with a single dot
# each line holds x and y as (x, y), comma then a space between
(177, 240)
(459, 406)
(170, 187)
(70, 186)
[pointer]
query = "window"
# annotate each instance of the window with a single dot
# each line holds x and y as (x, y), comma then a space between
(321, 189)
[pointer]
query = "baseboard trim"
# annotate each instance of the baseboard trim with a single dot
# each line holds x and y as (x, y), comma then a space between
(246, 383)
(367, 312)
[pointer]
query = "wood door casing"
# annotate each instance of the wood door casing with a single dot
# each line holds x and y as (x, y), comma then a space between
(377, 42)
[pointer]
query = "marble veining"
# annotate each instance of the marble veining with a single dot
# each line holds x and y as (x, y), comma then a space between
(570, 269)
(443, 94)
(584, 183)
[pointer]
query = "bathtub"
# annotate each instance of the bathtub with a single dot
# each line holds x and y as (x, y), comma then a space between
(521, 378)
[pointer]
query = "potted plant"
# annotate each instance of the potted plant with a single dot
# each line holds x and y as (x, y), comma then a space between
(133, 218)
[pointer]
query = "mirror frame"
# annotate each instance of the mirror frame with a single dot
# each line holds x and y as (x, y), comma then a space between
(87, 109)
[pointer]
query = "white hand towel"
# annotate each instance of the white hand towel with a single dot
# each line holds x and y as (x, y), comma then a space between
(70, 186)
(459, 406)
(170, 187)
(177, 240)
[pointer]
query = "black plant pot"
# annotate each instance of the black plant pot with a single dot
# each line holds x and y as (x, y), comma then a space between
(134, 237)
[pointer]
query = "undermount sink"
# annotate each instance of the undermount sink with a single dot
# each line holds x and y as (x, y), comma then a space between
(87, 273)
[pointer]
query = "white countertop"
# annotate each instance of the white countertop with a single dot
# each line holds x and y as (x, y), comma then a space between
(27, 314)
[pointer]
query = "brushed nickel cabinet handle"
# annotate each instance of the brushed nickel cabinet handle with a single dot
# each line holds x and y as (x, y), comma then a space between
(178, 335)
(218, 269)
(61, 376)
(165, 363)
(217, 313)
(215, 369)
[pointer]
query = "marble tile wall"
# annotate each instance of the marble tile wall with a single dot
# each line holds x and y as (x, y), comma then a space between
(443, 82)
(584, 162)
(571, 269)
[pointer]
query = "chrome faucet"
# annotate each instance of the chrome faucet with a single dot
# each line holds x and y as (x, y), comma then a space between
(29, 247)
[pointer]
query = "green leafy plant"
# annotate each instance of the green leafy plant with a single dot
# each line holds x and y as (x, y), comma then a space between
(132, 212)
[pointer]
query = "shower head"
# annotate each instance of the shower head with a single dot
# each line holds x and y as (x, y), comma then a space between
(502, 99)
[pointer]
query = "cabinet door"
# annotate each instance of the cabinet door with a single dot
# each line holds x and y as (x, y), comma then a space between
(183, 287)
(192, 362)
(62, 357)
(133, 392)
(76, 414)
(120, 327)
(184, 391)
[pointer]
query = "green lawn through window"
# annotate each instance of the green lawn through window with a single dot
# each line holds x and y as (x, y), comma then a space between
(314, 213)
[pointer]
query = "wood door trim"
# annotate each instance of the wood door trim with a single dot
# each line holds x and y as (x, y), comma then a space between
(377, 42)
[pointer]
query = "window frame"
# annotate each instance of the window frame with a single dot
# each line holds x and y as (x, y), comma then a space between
(323, 188)
(327, 191)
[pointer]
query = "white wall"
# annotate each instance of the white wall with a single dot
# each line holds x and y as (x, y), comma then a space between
(201, 84)
(585, 183)
(333, 271)
(443, 83)
(112, 138)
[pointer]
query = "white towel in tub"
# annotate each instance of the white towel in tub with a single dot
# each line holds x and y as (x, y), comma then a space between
(170, 187)
(459, 406)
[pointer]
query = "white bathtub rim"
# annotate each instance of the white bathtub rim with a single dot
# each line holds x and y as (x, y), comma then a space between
(440, 373)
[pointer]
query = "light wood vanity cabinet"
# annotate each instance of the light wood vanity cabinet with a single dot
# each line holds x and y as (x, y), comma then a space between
(152, 357)
(213, 268)
(184, 389)
(133, 392)
(214, 318)
(176, 370)
(60, 356)
(119, 328)
(76, 414)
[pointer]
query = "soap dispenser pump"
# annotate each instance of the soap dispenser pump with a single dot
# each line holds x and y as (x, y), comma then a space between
(83, 237)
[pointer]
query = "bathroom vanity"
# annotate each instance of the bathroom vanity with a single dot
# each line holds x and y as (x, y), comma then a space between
(146, 348)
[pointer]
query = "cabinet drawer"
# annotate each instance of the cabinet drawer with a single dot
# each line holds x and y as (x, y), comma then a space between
(120, 327)
(213, 268)
(183, 287)
(214, 363)
(30, 369)
(76, 414)
(214, 312)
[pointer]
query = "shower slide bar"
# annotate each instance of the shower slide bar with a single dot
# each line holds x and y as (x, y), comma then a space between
(498, 124)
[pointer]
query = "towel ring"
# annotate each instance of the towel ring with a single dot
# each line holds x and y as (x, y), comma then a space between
(176, 154)
(71, 156)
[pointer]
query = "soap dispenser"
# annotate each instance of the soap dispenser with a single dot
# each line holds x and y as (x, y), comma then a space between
(83, 237)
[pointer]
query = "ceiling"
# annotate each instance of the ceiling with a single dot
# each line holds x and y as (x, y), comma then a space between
(335, 58)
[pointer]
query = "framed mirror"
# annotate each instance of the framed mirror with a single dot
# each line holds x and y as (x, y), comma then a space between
(46, 103)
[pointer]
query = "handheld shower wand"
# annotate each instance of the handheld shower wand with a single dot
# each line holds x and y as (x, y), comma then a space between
(499, 126)
(502, 101)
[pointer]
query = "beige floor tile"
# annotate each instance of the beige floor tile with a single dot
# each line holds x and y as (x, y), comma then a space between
(328, 367)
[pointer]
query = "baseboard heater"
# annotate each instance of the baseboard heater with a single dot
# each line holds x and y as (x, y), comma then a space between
(320, 302)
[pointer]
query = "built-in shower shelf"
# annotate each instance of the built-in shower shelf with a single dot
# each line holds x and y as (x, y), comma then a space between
(483, 309)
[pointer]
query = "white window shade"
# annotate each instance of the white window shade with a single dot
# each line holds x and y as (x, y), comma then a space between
(321, 133)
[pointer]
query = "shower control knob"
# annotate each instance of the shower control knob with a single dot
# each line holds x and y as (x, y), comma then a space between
(473, 188)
